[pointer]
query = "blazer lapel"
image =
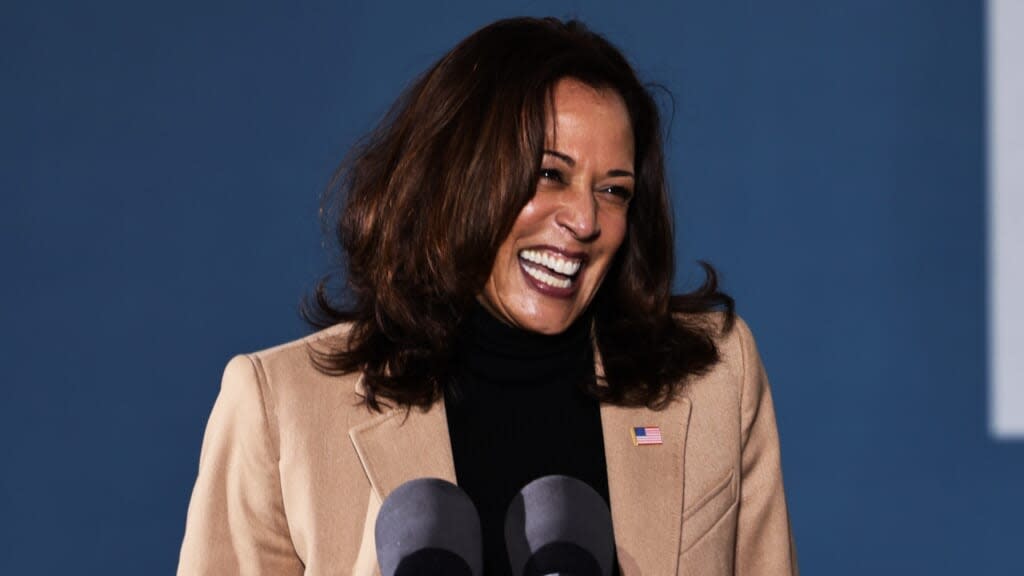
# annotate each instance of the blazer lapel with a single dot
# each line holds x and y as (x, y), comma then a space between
(399, 445)
(645, 485)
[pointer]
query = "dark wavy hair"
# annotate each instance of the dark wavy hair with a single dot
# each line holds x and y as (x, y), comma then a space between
(422, 203)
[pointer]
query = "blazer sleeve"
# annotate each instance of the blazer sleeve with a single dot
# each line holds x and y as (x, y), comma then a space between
(764, 540)
(236, 520)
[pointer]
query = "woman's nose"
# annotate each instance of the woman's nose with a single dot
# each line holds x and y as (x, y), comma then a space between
(578, 213)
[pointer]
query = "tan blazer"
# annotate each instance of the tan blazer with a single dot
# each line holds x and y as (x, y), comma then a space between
(293, 470)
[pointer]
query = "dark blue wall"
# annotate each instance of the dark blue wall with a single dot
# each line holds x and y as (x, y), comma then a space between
(160, 173)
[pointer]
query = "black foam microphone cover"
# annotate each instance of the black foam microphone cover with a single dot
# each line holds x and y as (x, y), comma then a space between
(559, 525)
(428, 527)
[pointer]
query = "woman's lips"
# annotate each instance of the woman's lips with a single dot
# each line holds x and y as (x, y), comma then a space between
(551, 271)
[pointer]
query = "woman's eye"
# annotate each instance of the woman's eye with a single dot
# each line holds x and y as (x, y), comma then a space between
(552, 174)
(620, 192)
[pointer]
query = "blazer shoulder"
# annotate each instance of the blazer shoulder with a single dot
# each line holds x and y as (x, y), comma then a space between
(330, 337)
(726, 382)
(297, 358)
(294, 384)
(732, 336)
(741, 339)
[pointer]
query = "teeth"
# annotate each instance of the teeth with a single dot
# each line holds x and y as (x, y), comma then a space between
(539, 274)
(556, 263)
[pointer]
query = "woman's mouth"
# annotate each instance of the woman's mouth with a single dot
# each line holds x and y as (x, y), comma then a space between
(551, 272)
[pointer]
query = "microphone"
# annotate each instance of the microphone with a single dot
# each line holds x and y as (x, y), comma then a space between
(428, 527)
(559, 525)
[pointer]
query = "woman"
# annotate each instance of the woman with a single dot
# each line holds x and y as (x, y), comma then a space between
(509, 252)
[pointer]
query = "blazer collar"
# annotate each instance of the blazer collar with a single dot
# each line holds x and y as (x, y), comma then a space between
(645, 483)
(401, 445)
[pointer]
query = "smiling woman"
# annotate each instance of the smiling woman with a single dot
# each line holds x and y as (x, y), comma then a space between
(508, 316)
(549, 267)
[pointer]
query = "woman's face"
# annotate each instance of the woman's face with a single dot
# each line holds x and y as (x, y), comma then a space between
(551, 264)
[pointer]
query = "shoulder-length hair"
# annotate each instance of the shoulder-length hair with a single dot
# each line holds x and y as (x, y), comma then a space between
(422, 203)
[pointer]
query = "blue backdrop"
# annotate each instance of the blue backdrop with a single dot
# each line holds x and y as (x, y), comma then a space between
(160, 172)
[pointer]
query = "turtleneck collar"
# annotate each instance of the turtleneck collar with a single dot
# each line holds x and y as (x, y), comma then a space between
(493, 350)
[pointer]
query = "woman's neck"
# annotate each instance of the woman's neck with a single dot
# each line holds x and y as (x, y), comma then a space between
(496, 351)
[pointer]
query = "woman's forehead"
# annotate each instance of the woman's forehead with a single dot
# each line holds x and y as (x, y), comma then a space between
(587, 120)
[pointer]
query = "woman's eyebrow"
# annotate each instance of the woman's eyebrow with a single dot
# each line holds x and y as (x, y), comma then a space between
(561, 156)
(572, 162)
(564, 157)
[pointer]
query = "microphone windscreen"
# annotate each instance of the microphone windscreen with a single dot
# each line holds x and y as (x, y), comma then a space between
(428, 526)
(559, 525)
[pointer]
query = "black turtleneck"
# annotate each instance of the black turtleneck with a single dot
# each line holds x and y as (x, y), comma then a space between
(516, 412)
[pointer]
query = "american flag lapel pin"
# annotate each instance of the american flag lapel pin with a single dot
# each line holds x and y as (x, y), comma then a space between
(646, 435)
